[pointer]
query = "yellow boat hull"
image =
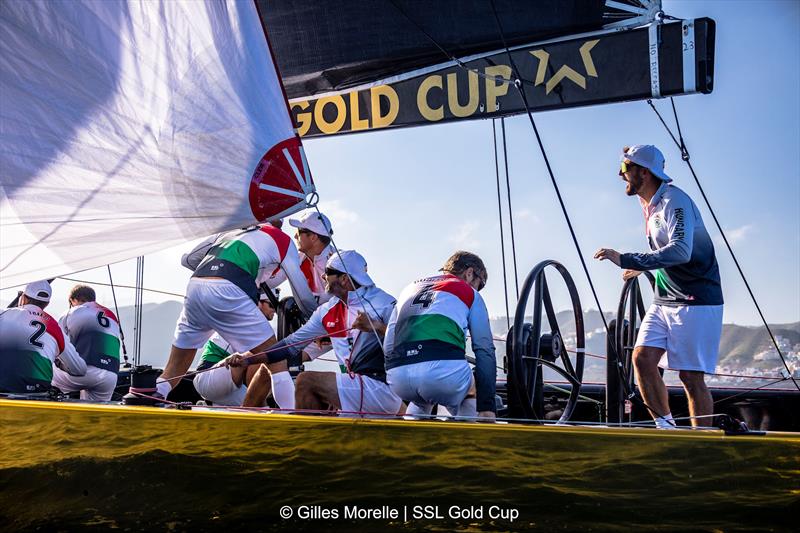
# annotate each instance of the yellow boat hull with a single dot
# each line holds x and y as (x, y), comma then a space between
(76, 465)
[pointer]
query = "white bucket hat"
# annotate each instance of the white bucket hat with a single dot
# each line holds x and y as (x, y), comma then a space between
(649, 157)
(352, 263)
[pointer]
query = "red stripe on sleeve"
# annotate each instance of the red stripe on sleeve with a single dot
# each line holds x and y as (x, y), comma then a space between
(54, 330)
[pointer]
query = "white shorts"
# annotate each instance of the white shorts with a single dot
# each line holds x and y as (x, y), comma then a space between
(690, 335)
(423, 384)
(217, 386)
(219, 305)
(377, 397)
(97, 384)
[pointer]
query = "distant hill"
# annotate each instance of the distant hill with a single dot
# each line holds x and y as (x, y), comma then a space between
(740, 343)
(158, 326)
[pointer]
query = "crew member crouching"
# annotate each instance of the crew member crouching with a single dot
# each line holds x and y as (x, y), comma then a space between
(426, 341)
(355, 319)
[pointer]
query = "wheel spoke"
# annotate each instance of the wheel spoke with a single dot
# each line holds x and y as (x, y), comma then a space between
(548, 306)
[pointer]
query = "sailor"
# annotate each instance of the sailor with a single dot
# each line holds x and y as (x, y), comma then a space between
(222, 296)
(313, 238)
(685, 319)
(355, 319)
(94, 331)
(31, 342)
(426, 341)
(225, 385)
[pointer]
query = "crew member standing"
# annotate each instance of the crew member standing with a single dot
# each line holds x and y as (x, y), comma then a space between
(685, 319)
(222, 296)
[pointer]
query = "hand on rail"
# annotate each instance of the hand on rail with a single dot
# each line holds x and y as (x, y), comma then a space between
(630, 274)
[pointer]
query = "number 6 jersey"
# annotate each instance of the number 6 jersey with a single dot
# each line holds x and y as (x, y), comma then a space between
(94, 330)
(30, 342)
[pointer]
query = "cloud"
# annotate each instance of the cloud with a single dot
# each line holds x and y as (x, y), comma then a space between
(527, 215)
(464, 236)
(738, 234)
(339, 215)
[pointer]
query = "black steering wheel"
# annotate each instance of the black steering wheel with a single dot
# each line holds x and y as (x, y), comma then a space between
(290, 318)
(630, 314)
(527, 348)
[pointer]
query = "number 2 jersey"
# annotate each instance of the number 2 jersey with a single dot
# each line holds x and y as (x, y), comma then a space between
(430, 323)
(94, 331)
(31, 341)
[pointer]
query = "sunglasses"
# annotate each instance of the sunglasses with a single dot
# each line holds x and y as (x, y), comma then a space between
(332, 272)
(626, 167)
(482, 280)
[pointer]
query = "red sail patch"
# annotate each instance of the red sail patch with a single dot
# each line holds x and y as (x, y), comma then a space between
(278, 175)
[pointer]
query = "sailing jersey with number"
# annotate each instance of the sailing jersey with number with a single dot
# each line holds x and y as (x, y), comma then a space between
(262, 255)
(31, 341)
(357, 351)
(430, 323)
(94, 331)
(682, 256)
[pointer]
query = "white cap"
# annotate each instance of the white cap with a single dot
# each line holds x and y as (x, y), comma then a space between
(352, 263)
(38, 290)
(649, 157)
(314, 222)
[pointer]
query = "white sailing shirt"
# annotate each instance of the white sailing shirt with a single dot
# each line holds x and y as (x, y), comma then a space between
(94, 331)
(31, 341)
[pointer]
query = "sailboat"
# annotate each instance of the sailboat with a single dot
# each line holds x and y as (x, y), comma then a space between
(157, 123)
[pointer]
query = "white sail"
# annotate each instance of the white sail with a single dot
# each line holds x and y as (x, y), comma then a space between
(128, 127)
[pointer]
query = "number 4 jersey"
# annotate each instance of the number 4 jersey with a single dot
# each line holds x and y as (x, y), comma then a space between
(94, 330)
(431, 321)
(30, 342)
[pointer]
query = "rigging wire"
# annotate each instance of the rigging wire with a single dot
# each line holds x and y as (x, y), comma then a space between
(679, 142)
(518, 84)
(123, 286)
(138, 304)
(500, 217)
(361, 298)
(116, 310)
(510, 212)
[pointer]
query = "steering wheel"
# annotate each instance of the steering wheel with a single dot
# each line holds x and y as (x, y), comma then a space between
(630, 314)
(528, 349)
(290, 318)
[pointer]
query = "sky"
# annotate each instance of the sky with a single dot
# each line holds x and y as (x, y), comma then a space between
(406, 199)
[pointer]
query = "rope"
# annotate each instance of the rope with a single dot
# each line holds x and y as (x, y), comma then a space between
(685, 156)
(510, 212)
(500, 217)
(264, 352)
(116, 310)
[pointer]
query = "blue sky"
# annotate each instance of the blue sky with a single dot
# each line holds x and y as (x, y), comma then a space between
(406, 199)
